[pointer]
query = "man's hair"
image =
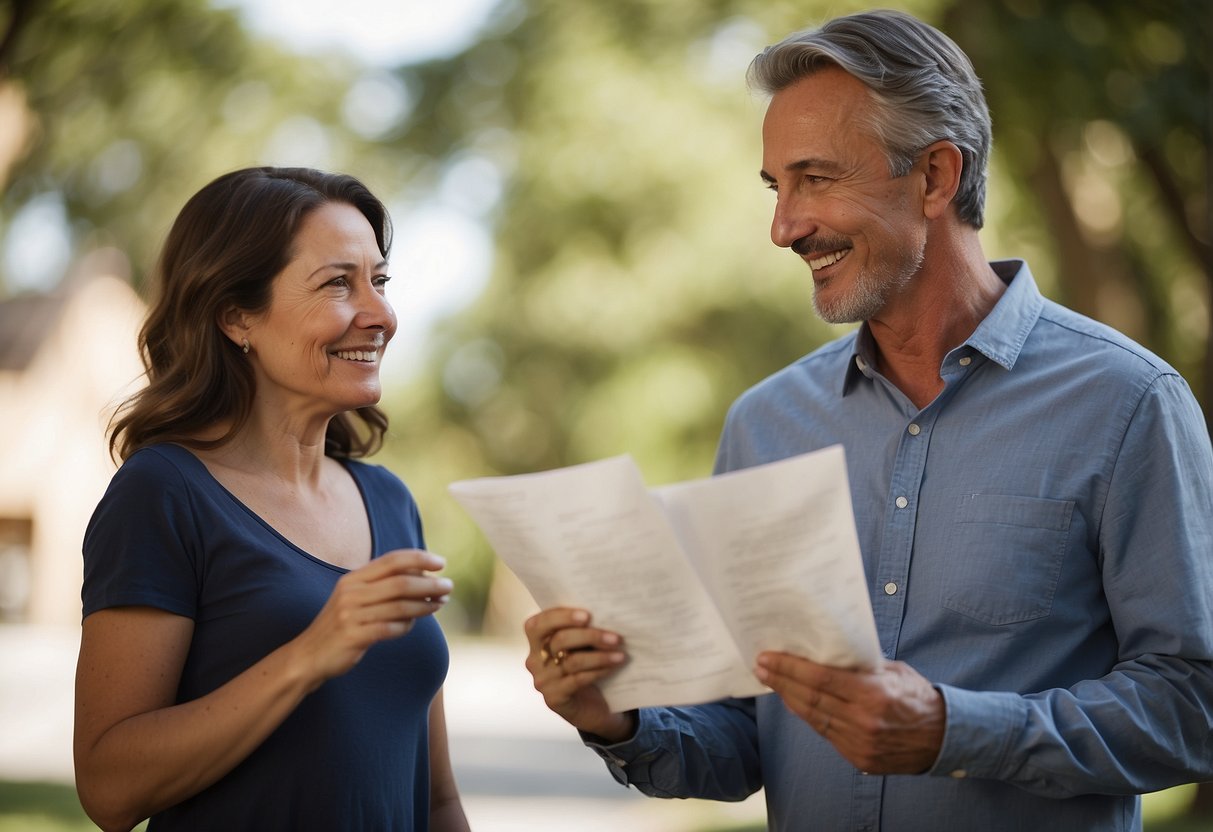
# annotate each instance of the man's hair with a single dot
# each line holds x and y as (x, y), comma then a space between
(922, 88)
(224, 250)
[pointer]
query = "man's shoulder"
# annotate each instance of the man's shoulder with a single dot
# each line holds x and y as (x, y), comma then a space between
(1109, 348)
(819, 371)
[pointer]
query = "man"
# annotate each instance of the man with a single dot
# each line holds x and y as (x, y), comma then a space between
(1033, 494)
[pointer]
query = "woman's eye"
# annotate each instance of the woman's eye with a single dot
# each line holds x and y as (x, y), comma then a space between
(382, 279)
(339, 282)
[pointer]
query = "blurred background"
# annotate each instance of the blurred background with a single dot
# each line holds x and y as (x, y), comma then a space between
(581, 268)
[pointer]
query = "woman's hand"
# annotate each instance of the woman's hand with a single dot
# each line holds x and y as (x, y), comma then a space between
(376, 602)
(566, 658)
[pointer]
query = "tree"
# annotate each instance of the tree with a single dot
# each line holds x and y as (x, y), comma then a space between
(128, 108)
(1102, 118)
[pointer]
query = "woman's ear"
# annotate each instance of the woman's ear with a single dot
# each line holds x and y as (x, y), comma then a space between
(235, 324)
(943, 163)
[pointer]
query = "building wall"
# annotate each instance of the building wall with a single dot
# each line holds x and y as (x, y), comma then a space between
(53, 416)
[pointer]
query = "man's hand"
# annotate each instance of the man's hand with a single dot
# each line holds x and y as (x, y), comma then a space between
(884, 721)
(567, 656)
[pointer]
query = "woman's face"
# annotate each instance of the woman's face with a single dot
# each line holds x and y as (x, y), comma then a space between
(318, 346)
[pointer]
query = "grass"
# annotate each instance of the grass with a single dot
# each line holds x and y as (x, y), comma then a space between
(42, 807)
(1161, 812)
(53, 807)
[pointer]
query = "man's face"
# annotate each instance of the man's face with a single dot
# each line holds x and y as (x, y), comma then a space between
(861, 231)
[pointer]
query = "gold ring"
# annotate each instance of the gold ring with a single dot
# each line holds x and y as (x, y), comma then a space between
(559, 657)
(545, 654)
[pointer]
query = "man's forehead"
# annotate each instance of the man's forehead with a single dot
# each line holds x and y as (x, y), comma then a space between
(829, 94)
(815, 123)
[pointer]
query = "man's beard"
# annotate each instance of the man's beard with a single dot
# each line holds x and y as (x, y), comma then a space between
(870, 292)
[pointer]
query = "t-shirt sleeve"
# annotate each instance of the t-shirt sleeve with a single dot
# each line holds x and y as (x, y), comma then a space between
(141, 547)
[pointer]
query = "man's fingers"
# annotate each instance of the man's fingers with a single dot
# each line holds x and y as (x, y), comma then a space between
(541, 627)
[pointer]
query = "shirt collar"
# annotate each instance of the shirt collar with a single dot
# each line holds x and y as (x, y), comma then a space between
(1000, 336)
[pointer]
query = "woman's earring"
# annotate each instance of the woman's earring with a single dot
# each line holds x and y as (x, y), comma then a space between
(244, 346)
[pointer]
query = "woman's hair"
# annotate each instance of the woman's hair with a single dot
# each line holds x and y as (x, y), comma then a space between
(922, 87)
(224, 250)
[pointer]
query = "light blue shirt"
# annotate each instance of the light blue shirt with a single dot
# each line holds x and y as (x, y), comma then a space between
(1038, 543)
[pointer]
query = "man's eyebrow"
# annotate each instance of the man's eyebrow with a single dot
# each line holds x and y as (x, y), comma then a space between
(823, 165)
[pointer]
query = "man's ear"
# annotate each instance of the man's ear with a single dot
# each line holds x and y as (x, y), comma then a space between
(942, 165)
(235, 324)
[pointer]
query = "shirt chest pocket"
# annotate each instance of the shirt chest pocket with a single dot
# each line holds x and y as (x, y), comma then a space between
(1007, 553)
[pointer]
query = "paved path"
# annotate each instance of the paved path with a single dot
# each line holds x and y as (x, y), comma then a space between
(519, 767)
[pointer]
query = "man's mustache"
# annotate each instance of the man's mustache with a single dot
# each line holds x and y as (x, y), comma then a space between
(812, 244)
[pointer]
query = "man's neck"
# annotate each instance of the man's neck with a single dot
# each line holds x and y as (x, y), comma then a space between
(938, 311)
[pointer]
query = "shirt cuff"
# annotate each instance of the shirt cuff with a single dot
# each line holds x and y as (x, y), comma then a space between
(628, 761)
(980, 727)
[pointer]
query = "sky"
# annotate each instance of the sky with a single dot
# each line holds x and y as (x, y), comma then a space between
(382, 32)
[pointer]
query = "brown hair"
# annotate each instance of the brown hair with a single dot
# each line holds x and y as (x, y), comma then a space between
(225, 248)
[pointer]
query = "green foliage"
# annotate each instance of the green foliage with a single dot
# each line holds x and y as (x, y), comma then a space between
(1102, 120)
(136, 105)
(634, 291)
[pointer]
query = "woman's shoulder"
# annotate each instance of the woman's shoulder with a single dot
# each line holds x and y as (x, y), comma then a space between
(378, 483)
(163, 463)
(373, 473)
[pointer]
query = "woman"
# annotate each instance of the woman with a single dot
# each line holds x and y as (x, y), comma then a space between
(258, 647)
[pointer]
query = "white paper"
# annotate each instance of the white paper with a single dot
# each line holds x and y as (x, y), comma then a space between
(698, 577)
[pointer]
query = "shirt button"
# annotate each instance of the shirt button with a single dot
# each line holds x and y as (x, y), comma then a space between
(914, 429)
(901, 502)
(960, 774)
(890, 588)
(966, 361)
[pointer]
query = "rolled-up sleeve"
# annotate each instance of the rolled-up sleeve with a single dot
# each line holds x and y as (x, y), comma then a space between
(707, 751)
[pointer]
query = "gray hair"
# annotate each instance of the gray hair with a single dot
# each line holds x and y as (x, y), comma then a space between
(923, 89)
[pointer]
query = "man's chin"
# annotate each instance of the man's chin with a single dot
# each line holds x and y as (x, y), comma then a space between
(835, 313)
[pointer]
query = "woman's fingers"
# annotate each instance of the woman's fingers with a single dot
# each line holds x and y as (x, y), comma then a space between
(400, 561)
(378, 601)
(382, 599)
(401, 577)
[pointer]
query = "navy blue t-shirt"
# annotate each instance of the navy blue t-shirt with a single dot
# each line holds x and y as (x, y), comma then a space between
(354, 754)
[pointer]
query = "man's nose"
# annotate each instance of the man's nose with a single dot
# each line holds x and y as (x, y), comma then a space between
(792, 221)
